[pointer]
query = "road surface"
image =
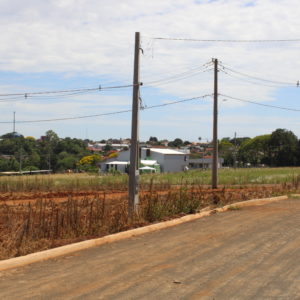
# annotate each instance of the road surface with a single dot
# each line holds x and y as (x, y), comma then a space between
(250, 253)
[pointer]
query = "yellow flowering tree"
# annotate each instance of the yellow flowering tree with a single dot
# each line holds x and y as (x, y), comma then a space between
(89, 162)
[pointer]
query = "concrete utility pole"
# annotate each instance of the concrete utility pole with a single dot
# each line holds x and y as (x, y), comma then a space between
(133, 188)
(214, 184)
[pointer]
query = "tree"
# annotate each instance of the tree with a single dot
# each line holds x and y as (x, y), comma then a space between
(283, 148)
(89, 162)
(239, 141)
(4, 165)
(11, 135)
(256, 150)
(48, 152)
(176, 143)
(153, 139)
(227, 151)
(107, 148)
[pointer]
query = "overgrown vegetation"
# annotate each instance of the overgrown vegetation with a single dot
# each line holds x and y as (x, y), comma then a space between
(28, 228)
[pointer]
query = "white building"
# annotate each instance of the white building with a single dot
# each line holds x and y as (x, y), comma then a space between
(204, 163)
(169, 160)
(121, 166)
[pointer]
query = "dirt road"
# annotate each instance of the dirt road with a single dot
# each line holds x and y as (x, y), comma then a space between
(251, 253)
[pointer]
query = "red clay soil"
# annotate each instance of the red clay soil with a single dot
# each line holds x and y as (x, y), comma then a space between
(16, 198)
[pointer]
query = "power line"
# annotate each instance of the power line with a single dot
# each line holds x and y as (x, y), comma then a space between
(176, 102)
(261, 104)
(226, 41)
(257, 78)
(44, 97)
(12, 99)
(28, 94)
(49, 95)
(174, 78)
(187, 71)
(247, 80)
(109, 113)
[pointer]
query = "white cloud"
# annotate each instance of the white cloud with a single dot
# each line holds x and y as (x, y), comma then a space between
(95, 38)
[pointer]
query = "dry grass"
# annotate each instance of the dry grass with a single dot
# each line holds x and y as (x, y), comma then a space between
(28, 228)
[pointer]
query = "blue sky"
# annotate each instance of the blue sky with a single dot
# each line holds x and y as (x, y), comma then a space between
(70, 44)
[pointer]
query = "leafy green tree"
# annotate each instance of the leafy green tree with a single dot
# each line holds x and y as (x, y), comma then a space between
(68, 162)
(4, 165)
(153, 139)
(227, 151)
(48, 152)
(283, 148)
(256, 150)
(176, 143)
(107, 148)
(90, 162)
(14, 165)
(239, 140)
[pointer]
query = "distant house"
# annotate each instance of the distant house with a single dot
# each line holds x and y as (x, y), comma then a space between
(119, 163)
(98, 147)
(169, 160)
(162, 160)
(121, 166)
(204, 163)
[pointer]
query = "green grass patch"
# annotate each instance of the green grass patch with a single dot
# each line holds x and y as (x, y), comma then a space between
(76, 182)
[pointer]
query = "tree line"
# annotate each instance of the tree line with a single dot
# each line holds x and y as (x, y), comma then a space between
(280, 148)
(49, 152)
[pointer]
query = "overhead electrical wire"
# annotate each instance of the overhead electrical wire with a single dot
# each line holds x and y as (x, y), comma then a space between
(44, 97)
(179, 76)
(186, 72)
(28, 94)
(247, 80)
(173, 79)
(226, 41)
(259, 103)
(52, 95)
(225, 67)
(106, 114)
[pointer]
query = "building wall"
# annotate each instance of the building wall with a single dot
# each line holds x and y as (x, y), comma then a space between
(124, 156)
(103, 164)
(108, 167)
(167, 162)
(158, 157)
(205, 163)
(175, 163)
(144, 153)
